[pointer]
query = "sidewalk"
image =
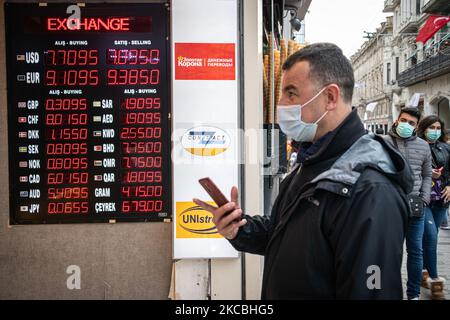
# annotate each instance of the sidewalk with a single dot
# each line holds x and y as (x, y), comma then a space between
(443, 265)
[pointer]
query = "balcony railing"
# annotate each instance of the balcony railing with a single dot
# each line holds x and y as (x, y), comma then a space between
(389, 5)
(430, 68)
(441, 7)
(408, 25)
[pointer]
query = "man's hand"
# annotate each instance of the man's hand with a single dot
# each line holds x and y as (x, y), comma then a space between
(226, 218)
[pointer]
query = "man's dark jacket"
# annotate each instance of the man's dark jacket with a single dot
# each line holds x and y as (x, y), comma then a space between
(337, 227)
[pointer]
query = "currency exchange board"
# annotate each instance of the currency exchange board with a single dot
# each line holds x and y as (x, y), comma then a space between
(88, 112)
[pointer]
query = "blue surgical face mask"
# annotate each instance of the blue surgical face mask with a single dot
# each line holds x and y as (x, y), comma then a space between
(290, 121)
(405, 130)
(433, 135)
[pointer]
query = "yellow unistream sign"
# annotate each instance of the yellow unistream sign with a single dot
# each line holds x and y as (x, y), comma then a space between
(194, 222)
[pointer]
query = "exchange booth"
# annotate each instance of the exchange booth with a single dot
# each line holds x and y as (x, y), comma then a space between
(111, 114)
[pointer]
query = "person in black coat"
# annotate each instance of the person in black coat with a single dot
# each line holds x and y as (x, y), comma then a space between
(432, 130)
(337, 227)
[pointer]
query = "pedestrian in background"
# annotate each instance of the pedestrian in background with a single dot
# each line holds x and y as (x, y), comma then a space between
(444, 224)
(417, 153)
(379, 131)
(432, 129)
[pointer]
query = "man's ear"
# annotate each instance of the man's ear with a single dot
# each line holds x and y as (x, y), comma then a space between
(333, 95)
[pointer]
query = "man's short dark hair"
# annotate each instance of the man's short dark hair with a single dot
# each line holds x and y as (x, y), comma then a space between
(327, 65)
(414, 112)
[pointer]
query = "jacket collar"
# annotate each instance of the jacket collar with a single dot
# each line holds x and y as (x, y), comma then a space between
(370, 151)
(340, 139)
(438, 144)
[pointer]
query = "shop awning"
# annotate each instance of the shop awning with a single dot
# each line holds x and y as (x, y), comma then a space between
(371, 106)
(415, 99)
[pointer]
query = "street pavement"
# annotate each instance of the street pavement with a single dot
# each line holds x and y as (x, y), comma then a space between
(443, 265)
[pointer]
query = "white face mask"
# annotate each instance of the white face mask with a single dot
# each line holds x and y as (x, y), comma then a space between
(290, 121)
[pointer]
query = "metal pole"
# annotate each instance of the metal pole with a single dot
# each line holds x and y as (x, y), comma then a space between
(272, 84)
(241, 15)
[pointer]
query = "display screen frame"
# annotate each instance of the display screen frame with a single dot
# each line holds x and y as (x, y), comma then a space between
(14, 12)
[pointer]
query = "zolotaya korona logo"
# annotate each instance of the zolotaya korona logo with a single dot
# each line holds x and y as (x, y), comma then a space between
(190, 62)
(194, 222)
(205, 141)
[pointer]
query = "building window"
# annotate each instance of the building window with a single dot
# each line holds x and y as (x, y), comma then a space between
(388, 73)
(418, 7)
(397, 67)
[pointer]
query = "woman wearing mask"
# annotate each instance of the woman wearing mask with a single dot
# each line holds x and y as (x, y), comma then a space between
(432, 130)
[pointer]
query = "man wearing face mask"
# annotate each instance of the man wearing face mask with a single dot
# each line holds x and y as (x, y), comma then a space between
(417, 153)
(336, 229)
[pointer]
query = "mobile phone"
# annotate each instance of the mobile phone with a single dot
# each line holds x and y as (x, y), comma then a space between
(213, 191)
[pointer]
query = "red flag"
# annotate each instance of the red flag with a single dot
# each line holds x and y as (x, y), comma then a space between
(433, 25)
